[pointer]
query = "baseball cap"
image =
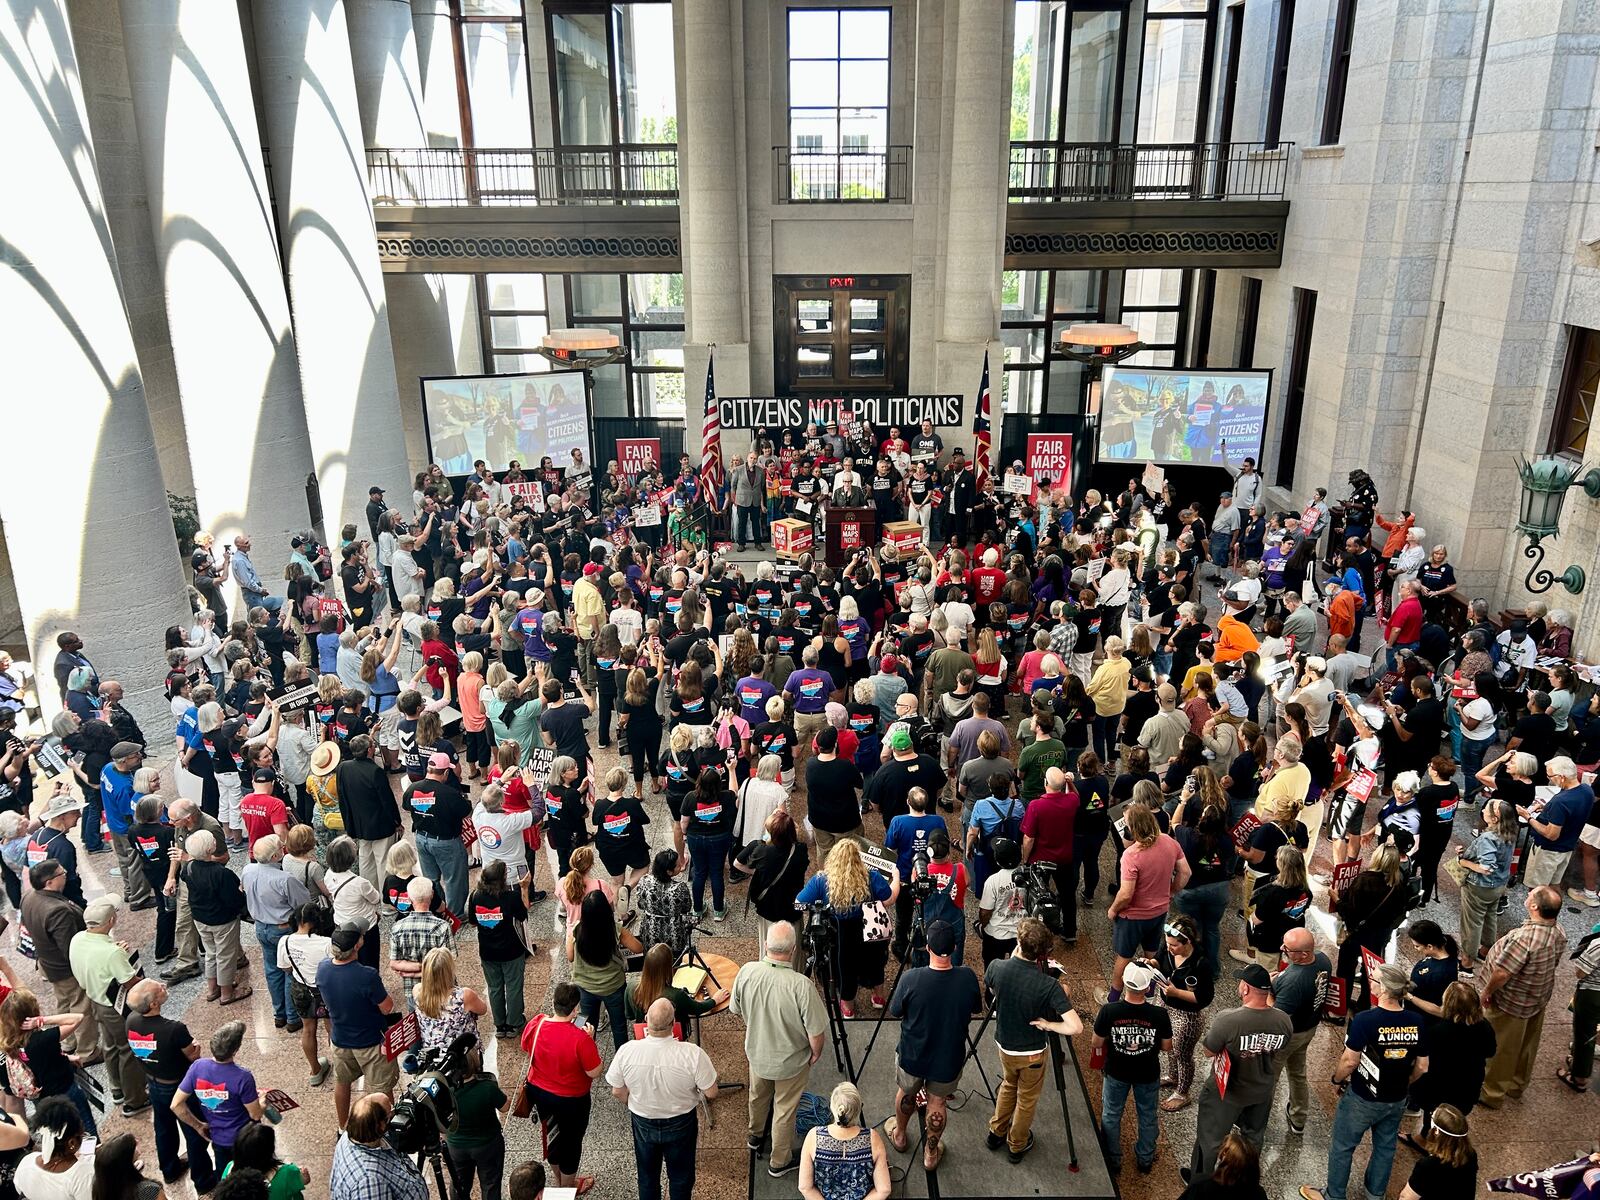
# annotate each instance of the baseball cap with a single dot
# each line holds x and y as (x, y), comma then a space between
(900, 739)
(941, 938)
(1317, 663)
(888, 664)
(591, 568)
(1136, 978)
(265, 775)
(374, 490)
(1255, 975)
(1226, 496)
(123, 749)
(346, 938)
(440, 762)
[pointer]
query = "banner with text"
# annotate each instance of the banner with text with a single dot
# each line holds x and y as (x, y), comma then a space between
(638, 454)
(794, 412)
(1049, 459)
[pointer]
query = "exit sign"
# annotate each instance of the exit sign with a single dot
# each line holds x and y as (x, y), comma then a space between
(841, 281)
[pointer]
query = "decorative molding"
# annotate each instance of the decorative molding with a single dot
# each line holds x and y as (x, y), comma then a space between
(1134, 243)
(404, 247)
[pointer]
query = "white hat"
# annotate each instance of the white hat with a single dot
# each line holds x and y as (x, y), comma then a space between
(60, 805)
(1137, 978)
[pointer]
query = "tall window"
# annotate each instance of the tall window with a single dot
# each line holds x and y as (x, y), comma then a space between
(1294, 407)
(1249, 315)
(1569, 432)
(838, 102)
(491, 47)
(1066, 70)
(1280, 72)
(611, 73)
(1036, 308)
(1153, 303)
(1175, 70)
(1344, 34)
(644, 311)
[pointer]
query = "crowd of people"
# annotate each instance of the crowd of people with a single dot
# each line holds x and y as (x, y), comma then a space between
(905, 761)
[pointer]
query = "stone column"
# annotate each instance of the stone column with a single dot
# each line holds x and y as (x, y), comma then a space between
(710, 170)
(975, 206)
(430, 312)
(347, 376)
(217, 245)
(436, 64)
(84, 509)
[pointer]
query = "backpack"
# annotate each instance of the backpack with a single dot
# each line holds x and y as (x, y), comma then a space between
(19, 1076)
(1009, 826)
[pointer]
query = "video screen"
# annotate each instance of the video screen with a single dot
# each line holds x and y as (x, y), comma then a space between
(502, 417)
(1166, 415)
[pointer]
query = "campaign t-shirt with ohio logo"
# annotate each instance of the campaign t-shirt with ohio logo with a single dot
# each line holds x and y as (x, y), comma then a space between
(810, 688)
(711, 816)
(497, 914)
(620, 821)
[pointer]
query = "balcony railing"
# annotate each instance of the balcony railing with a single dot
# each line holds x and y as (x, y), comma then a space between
(1053, 171)
(880, 176)
(631, 174)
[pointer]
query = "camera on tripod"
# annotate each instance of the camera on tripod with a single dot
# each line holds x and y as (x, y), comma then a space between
(921, 882)
(818, 932)
(1038, 896)
(426, 1110)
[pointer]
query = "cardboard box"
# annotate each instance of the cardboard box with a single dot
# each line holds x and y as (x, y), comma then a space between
(904, 536)
(792, 538)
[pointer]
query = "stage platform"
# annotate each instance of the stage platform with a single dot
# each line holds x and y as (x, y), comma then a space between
(969, 1169)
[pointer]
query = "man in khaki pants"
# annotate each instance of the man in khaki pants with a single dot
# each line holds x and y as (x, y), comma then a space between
(1023, 994)
(784, 1027)
(186, 818)
(52, 919)
(1522, 968)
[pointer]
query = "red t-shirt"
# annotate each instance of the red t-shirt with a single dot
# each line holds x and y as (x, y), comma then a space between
(1407, 621)
(1049, 821)
(563, 1057)
(951, 879)
(1151, 871)
(260, 811)
(987, 584)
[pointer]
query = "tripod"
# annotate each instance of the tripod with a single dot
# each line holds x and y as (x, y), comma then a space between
(1057, 1057)
(442, 1165)
(918, 941)
(821, 966)
(691, 957)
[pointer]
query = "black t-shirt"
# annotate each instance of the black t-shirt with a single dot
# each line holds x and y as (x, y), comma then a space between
(1133, 1035)
(892, 783)
(1207, 863)
(775, 737)
(1389, 1043)
(1246, 776)
(52, 1070)
(1122, 786)
(779, 876)
(1431, 1179)
(1458, 1055)
(1536, 734)
(1437, 803)
(710, 817)
(159, 1045)
(1278, 910)
(698, 711)
(564, 724)
(565, 816)
(1023, 994)
(831, 792)
(934, 1008)
(153, 842)
(437, 808)
(494, 913)
(1192, 975)
(619, 822)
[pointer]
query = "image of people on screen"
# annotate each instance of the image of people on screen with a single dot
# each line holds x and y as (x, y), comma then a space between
(1178, 417)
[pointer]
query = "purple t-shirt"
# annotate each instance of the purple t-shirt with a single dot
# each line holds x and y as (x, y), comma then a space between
(810, 688)
(753, 693)
(222, 1091)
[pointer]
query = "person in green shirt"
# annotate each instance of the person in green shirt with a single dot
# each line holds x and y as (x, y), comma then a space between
(256, 1148)
(478, 1144)
(1038, 758)
(596, 944)
(655, 981)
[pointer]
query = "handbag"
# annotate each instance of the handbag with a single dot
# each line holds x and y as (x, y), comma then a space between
(876, 925)
(524, 1102)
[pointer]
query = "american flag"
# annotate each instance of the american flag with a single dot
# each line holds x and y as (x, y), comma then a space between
(980, 428)
(711, 475)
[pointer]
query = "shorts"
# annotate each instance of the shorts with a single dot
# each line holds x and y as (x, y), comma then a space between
(307, 1001)
(1590, 836)
(1130, 935)
(910, 1084)
(619, 858)
(1349, 815)
(350, 1065)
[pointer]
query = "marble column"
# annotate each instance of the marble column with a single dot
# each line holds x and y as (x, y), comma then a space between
(85, 512)
(217, 245)
(710, 169)
(434, 316)
(975, 205)
(341, 319)
(436, 63)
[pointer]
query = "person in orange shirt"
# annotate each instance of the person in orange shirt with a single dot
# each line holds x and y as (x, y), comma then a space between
(1341, 608)
(1234, 638)
(1397, 533)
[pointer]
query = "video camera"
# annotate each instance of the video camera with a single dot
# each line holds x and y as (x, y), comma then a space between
(921, 882)
(1038, 896)
(426, 1110)
(818, 932)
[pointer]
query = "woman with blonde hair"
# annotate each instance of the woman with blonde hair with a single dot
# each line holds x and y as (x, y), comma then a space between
(1460, 1044)
(640, 717)
(445, 1009)
(1371, 909)
(846, 885)
(990, 665)
(844, 1158)
(1276, 906)
(1108, 688)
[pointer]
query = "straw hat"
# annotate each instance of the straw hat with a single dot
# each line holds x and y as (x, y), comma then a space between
(324, 759)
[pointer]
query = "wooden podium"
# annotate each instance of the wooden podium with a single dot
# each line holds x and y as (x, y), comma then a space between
(846, 531)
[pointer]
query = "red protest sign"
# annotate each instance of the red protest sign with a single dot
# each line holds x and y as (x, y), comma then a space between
(1247, 825)
(1049, 458)
(1344, 874)
(1362, 781)
(1221, 1069)
(635, 455)
(469, 832)
(281, 1100)
(401, 1036)
(849, 535)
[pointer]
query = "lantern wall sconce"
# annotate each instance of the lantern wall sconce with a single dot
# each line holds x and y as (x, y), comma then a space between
(1545, 482)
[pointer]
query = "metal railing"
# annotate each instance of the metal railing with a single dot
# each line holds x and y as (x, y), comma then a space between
(630, 174)
(1054, 171)
(841, 176)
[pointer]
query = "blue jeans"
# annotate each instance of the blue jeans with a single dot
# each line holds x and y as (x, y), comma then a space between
(1207, 904)
(672, 1140)
(1105, 734)
(1392, 654)
(1113, 1098)
(80, 1101)
(1351, 1120)
(1162, 661)
(444, 860)
(1221, 550)
(269, 935)
(589, 1004)
(1472, 756)
(168, 1132)
(708, 859)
